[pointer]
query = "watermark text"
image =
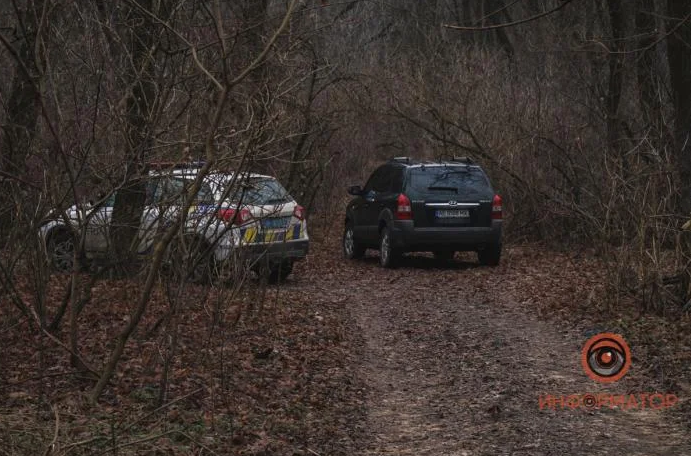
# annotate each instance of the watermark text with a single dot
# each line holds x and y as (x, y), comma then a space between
(595, 401)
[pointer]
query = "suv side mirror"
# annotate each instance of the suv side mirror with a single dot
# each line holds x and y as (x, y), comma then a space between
(355, 190)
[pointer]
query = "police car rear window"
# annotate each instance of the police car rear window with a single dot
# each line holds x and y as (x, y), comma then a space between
(259, 192)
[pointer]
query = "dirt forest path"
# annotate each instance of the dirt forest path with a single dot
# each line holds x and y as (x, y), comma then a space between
(453, 365)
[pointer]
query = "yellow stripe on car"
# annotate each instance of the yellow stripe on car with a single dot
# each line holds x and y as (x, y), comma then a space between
(250, 235)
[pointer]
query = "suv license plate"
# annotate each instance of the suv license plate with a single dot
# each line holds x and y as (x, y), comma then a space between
(456, 213)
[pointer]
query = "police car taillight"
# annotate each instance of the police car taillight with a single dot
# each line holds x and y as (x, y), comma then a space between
(234, 216)
(299, 212)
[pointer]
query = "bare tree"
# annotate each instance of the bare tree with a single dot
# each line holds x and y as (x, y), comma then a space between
(222, 87)
(679, 57)
(22, 111)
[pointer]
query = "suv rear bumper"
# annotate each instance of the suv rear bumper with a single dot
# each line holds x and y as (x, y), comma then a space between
(407, 237)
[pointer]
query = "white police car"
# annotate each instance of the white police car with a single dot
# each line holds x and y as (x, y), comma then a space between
(234, 216)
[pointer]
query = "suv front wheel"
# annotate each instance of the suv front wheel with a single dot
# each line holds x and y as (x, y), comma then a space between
(388, 256)
(352, 249)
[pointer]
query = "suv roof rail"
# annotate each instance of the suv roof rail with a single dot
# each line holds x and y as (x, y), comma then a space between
(175, 165)
(401, 159)
(466, 160)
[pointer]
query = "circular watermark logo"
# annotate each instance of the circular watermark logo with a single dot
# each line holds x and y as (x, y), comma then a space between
(606, 357)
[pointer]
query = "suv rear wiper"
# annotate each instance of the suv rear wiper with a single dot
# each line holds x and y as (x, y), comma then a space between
(452, 189)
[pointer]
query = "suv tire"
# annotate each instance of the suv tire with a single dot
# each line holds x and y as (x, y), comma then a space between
(388, 256)
(352, 249)
(490, 255)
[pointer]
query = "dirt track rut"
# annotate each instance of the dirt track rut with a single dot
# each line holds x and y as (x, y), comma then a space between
(453, 365)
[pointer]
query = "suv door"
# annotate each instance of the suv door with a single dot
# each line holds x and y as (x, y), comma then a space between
(375, 192)
(358, 207)
(385, 196)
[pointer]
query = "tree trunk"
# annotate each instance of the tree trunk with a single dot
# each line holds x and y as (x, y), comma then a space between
(679, 57)
(130, 199)
(255, 16)
(648, 79)
(21, 117)
(616, 79)
(502, 38)
(423, 25)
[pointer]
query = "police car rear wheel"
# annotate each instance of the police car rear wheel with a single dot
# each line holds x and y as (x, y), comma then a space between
(191, 260)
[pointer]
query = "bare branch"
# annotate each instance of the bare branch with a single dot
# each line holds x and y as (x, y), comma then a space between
(509, 24)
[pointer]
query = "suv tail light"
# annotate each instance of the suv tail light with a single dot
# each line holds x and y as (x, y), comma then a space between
(404, 211)
(299, 212)
(496, 208)
(234, 216)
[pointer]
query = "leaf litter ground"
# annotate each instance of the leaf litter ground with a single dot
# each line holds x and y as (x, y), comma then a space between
(347, 358)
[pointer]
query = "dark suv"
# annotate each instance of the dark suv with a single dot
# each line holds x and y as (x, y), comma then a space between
(440, 207)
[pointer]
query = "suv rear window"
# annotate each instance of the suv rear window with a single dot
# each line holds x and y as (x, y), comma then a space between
(458, 181)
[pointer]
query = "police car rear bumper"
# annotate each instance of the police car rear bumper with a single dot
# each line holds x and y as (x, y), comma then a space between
(296, 249)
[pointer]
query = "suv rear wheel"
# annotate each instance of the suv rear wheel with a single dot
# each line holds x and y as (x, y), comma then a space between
(388, 256)
(352, 249)
(490, 255)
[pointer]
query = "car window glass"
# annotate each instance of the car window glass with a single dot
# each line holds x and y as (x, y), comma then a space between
(383, 184)
(151, 192)
(170, 191)
(369, 186)
(205, 194)
(264, 191)
(110, 202)
(448, 181)
(397, 181)
(380, 180)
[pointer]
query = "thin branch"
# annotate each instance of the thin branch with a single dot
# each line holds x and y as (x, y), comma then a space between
(62, 345)
(260, 58)
(509, 24)
(114, 449)
(53, 444)
(192, 47)
(495, 12)
(10, 176)
(158, 409)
